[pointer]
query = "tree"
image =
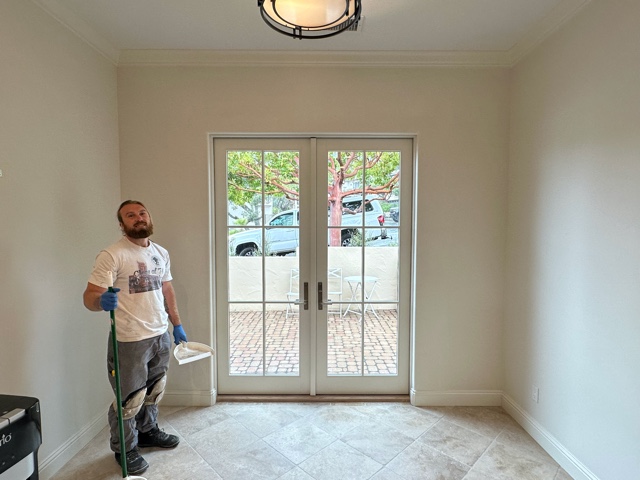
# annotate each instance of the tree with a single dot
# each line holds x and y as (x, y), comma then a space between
(351, 174)
(246, 171)
(368, 175)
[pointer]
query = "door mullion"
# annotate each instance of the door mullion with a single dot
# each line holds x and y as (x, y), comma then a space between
(311, 186)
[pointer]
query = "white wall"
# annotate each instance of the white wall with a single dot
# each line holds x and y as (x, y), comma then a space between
(572, 231)
(461, 119)
(573, 284)
(60, 182)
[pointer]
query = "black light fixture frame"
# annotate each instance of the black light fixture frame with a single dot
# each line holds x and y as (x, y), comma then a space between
(302, 31)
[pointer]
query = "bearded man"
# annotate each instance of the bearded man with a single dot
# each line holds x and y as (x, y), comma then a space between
(144, 303)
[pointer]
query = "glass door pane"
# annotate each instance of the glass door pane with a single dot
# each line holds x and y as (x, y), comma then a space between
(260, 315)
(364, 339)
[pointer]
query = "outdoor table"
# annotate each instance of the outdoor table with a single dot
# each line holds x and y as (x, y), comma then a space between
(357, 282)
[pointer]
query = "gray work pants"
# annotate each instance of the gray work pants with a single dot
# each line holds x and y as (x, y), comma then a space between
(142, 364)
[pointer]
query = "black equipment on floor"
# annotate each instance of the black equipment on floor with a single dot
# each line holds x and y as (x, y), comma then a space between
(20, 437)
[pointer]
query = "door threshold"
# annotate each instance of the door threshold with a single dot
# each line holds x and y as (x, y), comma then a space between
(313, 398)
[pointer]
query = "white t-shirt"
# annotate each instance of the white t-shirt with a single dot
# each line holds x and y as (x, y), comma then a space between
(138, 272)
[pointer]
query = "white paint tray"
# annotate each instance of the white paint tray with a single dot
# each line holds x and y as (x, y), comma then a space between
(188, 352)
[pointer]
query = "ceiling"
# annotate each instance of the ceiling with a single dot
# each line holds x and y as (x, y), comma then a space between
(423, 31)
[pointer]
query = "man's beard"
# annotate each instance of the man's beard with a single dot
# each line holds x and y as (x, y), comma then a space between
(139, 230)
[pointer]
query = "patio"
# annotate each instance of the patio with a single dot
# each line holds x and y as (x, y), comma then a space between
(344, 349)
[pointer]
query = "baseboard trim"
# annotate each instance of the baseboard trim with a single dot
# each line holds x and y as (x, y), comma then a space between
(189, 398)
(60, 456)
(456, 398)
(551, 445)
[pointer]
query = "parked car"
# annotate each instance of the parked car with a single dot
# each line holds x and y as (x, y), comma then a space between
(282, 232)
(394, 212)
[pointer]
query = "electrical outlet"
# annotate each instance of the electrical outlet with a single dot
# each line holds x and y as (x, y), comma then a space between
(535, 393)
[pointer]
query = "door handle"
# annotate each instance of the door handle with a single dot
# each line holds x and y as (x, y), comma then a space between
(305, 299)
(305, 289)
(321, 302)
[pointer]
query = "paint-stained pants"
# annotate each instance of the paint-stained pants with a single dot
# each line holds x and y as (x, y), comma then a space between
(142, 364)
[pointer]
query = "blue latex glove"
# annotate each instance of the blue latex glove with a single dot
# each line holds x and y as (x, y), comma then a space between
(109, 300)
(179, 335)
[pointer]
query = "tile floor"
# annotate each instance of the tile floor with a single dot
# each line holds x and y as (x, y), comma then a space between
(326, 441)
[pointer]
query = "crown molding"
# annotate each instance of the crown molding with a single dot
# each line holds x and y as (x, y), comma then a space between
(79, 27)
(542, 30)
(562, 13)
(246, 58)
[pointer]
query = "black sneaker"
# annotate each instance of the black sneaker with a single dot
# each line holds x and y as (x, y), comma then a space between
(135, 463)
(157, 438)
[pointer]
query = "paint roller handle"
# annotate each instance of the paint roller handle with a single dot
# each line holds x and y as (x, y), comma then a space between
(109, 299)
(110, 294)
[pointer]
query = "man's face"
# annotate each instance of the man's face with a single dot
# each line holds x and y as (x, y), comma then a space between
(136, 221)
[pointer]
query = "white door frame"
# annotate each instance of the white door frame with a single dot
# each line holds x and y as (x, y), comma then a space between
(309, 269)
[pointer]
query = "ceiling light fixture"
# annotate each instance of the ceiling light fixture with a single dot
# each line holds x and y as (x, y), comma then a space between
(310, 18)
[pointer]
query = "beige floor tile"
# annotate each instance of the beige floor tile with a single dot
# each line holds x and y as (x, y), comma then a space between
(516, 436)
(475, 475)
(502, 462)
(189, 421)
(220, 440)
(296, 474)
(377, 440)
(256, 461)
(299, 440)
(486, 421)
(339, 461)
(386, 474)
(337, 419)
(410, 420)
(264, 420)
(421, 462)
(460, 443)
(181, 463)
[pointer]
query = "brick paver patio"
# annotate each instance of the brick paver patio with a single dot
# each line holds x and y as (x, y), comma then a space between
(344, 353)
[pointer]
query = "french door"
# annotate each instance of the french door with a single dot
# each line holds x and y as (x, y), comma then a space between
(312, 262)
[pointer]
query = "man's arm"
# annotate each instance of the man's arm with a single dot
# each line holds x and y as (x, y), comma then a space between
(91, 297)
(170, 304)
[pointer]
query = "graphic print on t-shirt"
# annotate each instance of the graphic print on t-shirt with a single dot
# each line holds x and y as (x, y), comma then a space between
(145, 280)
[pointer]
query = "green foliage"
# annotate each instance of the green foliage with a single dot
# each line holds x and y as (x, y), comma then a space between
(254, 175)
(246, 171)
(356, 239)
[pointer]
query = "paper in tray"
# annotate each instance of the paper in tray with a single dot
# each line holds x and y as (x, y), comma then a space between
(188, 352)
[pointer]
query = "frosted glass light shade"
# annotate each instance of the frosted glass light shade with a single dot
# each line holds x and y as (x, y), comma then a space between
(310, 18)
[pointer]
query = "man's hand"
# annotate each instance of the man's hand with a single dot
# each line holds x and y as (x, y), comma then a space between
(178, 334)
(109, 300)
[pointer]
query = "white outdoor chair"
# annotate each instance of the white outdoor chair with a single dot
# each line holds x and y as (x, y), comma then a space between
(294, 292)
(334, 286)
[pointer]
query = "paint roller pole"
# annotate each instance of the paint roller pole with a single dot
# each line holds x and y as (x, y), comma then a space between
(116, 371)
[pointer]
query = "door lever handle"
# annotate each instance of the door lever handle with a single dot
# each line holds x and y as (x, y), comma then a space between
(305, 289)
(320, 303)
(305, 299)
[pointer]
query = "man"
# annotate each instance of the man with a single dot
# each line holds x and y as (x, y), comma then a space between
(143, 308)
